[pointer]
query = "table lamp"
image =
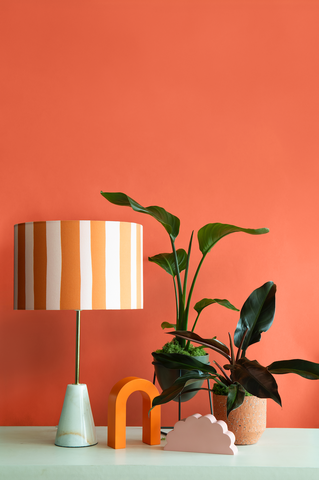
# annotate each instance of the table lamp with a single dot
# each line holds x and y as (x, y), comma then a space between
(77, 265)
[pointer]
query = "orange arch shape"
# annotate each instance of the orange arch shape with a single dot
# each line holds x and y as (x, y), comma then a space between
(117, 412)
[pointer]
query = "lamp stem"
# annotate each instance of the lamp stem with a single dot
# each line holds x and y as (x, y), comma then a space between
(77, 348)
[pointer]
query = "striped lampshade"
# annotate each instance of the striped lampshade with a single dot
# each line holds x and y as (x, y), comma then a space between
(78, 265)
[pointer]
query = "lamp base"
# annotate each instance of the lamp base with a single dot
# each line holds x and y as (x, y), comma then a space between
(76, 426)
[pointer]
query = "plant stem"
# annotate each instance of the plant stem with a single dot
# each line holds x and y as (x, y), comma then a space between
(193, 285)
(181, 309)
(195, 322)
(231, 350)
(179, 283)
(223, 372)
(219, 382)
(241, 344)
(187, 267)
(176, 301)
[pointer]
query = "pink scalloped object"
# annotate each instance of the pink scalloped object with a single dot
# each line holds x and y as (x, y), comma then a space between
(201, 434)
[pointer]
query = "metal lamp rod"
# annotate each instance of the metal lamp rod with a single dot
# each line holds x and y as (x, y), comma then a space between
(77, 348)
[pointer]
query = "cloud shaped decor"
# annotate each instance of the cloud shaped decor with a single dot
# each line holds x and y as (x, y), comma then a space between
(201, 434)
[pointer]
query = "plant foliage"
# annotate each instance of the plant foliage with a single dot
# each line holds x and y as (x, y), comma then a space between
(177, 261)
(240, 375)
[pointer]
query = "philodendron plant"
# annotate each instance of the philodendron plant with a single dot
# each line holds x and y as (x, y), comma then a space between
(177, 261)
(239, 375)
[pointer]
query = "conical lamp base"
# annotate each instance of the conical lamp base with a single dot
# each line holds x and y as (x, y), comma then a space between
(76, 427)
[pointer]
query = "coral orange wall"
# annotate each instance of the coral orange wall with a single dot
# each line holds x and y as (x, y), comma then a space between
(207, 108)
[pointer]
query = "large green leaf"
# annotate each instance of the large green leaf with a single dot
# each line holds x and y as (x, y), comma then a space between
(304, 368)
(169, 221)
(255, 378)
(257, 315)
(212, 343)
(167, 395)
(209, 301)
(182, 362)
(178, 386)
(210, 234)
(235, 397)
(167, 261)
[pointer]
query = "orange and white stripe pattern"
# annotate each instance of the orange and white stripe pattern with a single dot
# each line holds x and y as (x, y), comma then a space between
(78, 265)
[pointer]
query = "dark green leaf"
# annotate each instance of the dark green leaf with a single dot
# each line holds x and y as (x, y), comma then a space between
(257, 314)
(168, 325)
(210, 234)
(235, 397)
(255, 378)
(167, 261)
(178, 386)
(192, 377)
(169, 221)
(304, 368)
(209, 301)
(182, 362)
(212, 343)
(167, 395)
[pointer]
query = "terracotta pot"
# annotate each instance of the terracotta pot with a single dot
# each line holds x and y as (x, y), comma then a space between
(248, 422)
(167, 376)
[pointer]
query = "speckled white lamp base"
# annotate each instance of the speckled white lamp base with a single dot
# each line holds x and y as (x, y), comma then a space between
(76, 427)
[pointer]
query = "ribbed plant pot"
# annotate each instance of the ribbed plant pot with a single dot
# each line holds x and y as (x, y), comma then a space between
(248, 422)
(167, 376)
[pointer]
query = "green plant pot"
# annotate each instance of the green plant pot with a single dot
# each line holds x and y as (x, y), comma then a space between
(167, 376)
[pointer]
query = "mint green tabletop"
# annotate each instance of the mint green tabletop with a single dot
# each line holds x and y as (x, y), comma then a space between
(29, 453)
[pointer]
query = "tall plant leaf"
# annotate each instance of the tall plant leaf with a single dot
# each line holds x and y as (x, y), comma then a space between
(183, 362)
(211, 233)
(257, 315)
(205, 302)
(167, 261)
(304, 368)
(235, 397)
(255, 378)
(169, 221)
(212, 343)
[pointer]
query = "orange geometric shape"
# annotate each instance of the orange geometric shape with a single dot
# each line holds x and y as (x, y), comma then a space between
(117, 412)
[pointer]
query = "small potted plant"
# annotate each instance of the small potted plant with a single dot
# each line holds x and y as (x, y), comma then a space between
(239, 377)
(174, 263)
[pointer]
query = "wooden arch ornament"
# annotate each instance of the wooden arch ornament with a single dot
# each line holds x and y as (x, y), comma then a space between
(117, 412)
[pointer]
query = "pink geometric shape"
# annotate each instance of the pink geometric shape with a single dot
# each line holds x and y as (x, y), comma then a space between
(201, 434)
